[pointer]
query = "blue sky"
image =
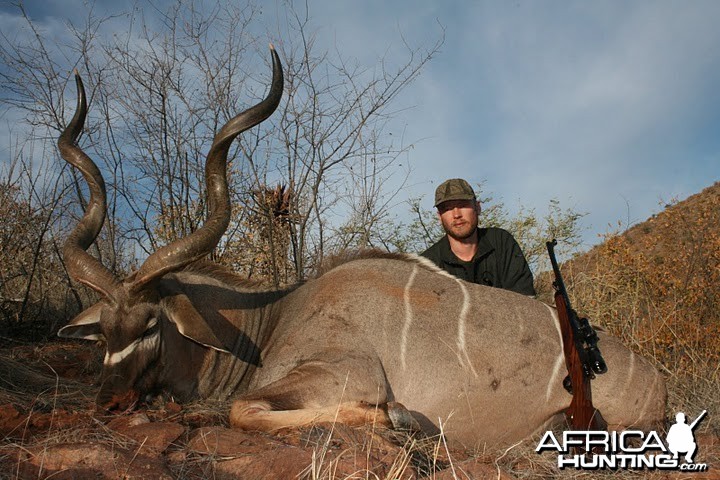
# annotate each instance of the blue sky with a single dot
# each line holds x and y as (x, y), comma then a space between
(611, 107)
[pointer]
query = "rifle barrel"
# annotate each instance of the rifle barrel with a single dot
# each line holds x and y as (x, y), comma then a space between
(697, 420)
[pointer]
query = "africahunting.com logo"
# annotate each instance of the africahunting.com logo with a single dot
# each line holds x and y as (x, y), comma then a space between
(630, 449)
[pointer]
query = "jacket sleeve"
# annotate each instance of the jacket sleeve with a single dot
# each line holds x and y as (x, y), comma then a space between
(517, 275)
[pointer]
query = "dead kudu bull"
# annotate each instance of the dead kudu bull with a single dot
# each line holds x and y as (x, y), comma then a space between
(353, 345)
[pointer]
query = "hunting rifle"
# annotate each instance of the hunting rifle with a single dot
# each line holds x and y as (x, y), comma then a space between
(582, 356)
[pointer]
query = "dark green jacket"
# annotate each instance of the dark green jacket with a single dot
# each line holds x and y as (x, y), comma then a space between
(499, 262)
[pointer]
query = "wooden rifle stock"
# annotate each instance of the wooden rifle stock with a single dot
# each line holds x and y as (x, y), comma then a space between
(581, 413)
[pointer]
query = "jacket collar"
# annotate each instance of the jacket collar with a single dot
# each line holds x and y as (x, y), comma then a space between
(484, 249)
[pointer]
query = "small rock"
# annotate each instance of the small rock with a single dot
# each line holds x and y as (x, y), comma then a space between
(89, 461)
(123, 422)
(173, 408)
(155, 437)
(283, 462)
(226, 441)
(10, 419)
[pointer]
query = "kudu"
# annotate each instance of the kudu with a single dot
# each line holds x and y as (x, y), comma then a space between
(380, 338)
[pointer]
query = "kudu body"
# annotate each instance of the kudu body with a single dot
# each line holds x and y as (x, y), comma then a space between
(380, 338)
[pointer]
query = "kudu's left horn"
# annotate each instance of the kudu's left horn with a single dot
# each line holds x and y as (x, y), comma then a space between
(201, 242)
(82, 266)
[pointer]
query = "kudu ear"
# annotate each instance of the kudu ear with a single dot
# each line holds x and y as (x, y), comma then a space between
(86, 325)
(181, 311)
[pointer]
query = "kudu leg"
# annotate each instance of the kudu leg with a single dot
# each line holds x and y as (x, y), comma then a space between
(257, 415)
(314, 393)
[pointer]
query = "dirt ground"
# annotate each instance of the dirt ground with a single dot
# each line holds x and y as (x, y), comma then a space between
(49, 429)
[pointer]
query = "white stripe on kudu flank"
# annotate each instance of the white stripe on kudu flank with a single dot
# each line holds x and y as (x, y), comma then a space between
(465, 359)
(408, 317)
(143, 343)
(559, 368)
(649, 397)
(629, 373)
(462, 355)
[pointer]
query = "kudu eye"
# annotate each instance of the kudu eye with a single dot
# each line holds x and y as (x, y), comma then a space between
(151, 328)
(152, 323)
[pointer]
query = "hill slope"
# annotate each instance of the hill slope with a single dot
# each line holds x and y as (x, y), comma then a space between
(657, 286)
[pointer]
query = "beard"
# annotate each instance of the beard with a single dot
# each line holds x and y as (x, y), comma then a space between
(459, 230)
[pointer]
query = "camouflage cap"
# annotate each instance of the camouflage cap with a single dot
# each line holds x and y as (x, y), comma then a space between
(454, 189)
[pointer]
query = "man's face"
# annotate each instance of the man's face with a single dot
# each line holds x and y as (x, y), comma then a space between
(459, 218)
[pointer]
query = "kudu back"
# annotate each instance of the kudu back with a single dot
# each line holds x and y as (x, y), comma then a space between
(380, 338)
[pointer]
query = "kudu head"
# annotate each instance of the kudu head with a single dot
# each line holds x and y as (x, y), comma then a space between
(130, 317)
